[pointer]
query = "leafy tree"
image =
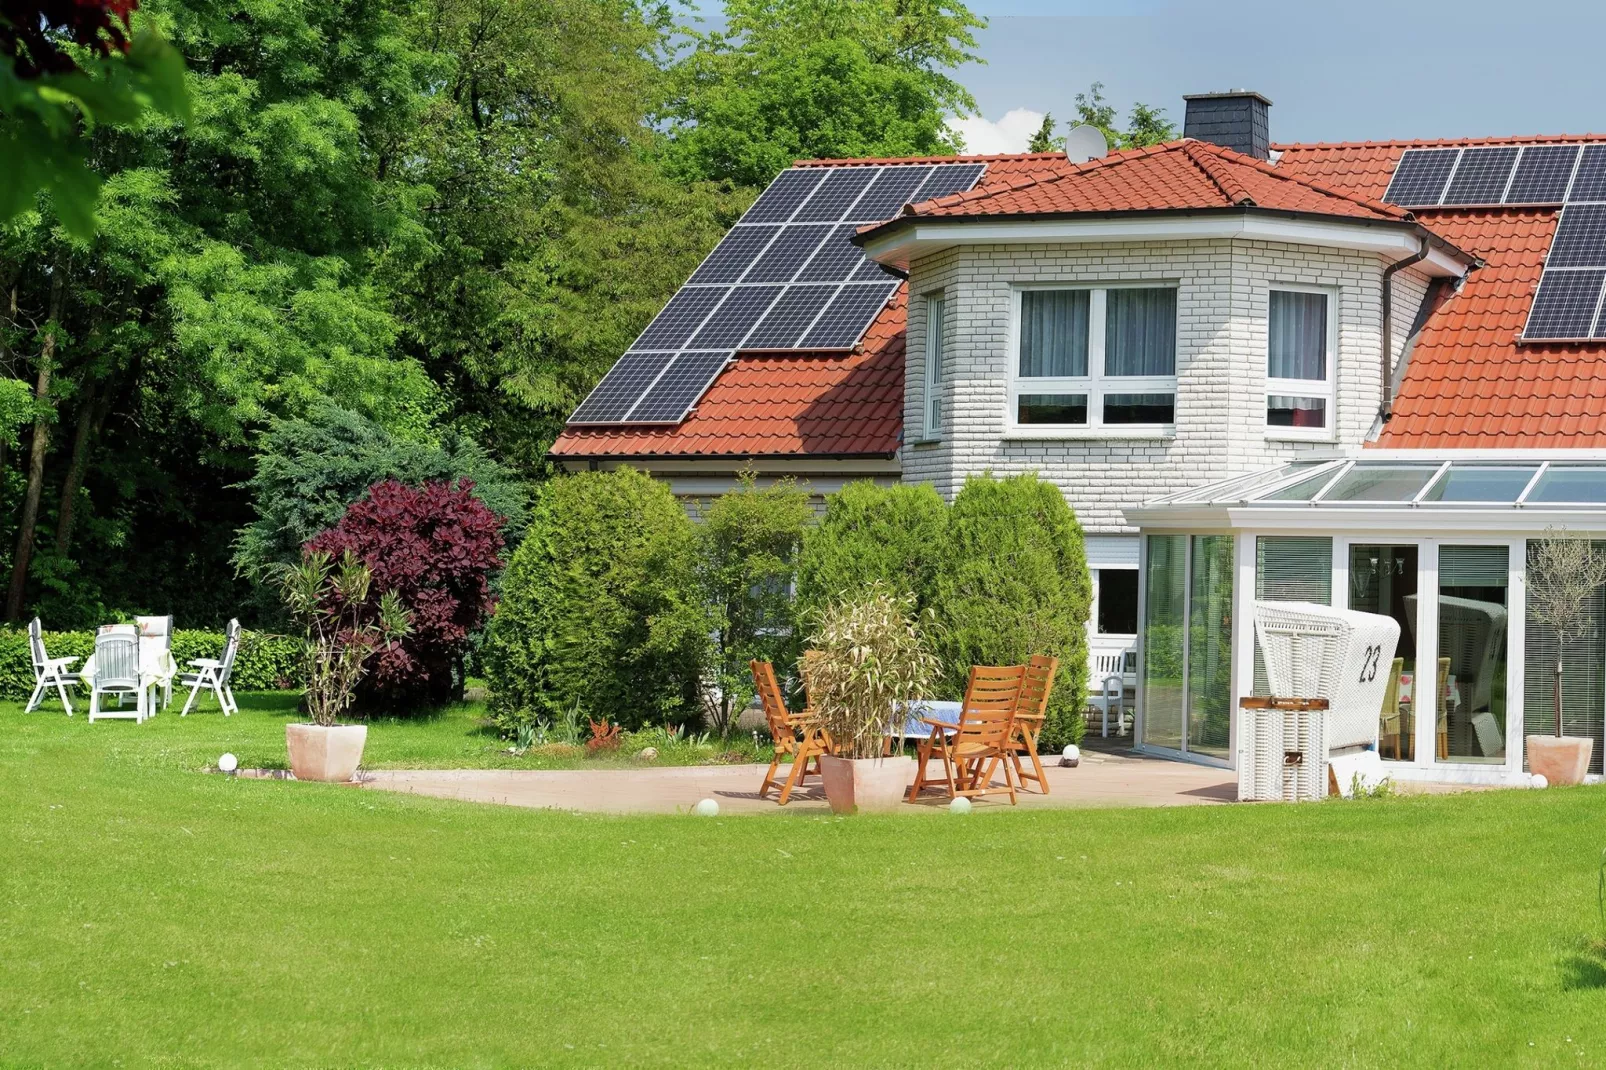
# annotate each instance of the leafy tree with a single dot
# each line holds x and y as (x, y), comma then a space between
(868, 533)
(1013, 582)
(1044, 140)
(311, 469)
(748, 558)
(601, 613)
(1145, 125)
(432, 548)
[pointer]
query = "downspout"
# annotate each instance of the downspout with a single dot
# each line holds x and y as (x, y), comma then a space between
(1386, 371)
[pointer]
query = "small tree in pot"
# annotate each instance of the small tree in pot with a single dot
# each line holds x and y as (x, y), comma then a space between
(1565, 577)
(330, 599)
(869, 661)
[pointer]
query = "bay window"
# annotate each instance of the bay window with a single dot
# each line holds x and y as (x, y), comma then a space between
(1299, 363)
(1090, 357)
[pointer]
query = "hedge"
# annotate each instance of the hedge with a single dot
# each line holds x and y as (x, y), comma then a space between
(264, 663)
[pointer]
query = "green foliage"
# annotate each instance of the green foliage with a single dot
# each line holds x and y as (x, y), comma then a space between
(1013, 582)
(265, 662)
(309, 470)
(749, 540)
(601, 608)
(869, 533)
(329, 598)
(1044, 140)
(16, 408)
(1145, 125)
(871, 659)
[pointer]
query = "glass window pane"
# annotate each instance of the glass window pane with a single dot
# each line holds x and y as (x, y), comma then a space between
(1303, 491)
(1051, 409)
(1561, 484)
(1583, 680)
(1377, 484)
(1118, 601)
(1290, 568)
(1479, 484)
(935, 311)
(1295, 412)
(1296, 336)
(1140, 332)
(1165, 599)
(1210, 647)
(1053, 333)
(1383, 580)
(1471, 671)
(1140, 408)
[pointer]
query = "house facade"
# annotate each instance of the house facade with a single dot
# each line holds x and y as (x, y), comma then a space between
(1358, 374)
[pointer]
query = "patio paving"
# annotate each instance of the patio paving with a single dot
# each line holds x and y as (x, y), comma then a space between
(1104, 779)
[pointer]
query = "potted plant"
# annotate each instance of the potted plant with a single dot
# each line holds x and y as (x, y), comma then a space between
(329, 598)
(1564, 577)
(868, 663)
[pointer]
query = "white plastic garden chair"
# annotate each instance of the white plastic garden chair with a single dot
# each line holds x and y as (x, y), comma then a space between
(156, 650)
(48, 672)
(116, 674)
(214, 675)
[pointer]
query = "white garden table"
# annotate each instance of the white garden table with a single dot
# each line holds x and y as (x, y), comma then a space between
(156, 671)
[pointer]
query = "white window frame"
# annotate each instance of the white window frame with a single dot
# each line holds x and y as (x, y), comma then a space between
(1324, 389)
(936, 303)
(1095, 385)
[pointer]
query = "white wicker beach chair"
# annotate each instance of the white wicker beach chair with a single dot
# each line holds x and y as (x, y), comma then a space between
(214, 675)
(48, 672)
(116, 674)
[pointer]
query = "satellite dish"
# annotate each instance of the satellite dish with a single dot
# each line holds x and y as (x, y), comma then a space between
(1083, 143)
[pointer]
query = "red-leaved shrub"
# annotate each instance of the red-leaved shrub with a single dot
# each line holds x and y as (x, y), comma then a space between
(436, 546)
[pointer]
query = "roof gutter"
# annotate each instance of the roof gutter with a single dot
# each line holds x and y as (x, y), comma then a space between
(1386, 361)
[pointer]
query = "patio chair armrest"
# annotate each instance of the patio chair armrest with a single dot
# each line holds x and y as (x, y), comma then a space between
(61, 663)
(205, 663)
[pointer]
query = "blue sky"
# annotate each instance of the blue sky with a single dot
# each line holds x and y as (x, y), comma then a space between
(1334, 70)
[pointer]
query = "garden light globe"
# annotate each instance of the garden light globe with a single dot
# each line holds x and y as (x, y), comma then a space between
(1071, 755)
(960, 805)
(706, 808)
(1539, 781)
(228, 763)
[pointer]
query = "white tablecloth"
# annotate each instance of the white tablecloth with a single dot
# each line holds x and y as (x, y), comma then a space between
(156, 667)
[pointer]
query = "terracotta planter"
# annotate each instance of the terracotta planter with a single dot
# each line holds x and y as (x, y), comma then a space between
(1560, 759)
(865, 785)
(329, 754)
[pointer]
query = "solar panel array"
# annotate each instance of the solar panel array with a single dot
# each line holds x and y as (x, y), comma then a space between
(787, 276)
(1567, 303)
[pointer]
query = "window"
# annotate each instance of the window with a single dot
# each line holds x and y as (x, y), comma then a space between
(1118, 601)
(1093, 357)
(1299, 364)
(935, 308)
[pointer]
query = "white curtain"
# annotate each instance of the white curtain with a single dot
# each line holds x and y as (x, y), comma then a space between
(1297, 336)
(1140, 332)
(1053, 333)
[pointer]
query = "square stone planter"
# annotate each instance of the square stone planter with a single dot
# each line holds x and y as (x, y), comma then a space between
(865, 785)
(329, 754)
(1560, 759)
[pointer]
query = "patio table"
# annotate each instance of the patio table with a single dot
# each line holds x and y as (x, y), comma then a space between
(914, 726)
(156, 669)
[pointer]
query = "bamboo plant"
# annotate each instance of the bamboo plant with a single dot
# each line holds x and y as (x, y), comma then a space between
(869, 661)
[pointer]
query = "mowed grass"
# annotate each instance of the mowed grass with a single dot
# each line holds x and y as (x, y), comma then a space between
(154, 915)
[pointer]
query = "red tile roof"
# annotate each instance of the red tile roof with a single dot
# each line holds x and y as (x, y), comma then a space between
(1470, 383)
(780, 405)
(1178, 175)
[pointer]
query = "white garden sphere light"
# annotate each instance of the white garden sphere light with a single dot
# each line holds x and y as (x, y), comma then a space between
(1071, 755)
(960, 805)
(228, 763)
(706, 808)
(1539, 781)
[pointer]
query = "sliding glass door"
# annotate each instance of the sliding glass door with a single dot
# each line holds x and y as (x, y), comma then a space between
(1383, 580)
(1187, 644)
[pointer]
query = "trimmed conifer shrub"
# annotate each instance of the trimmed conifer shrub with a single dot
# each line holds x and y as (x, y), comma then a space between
(1011, 582)
(893, 535)
(601, 614)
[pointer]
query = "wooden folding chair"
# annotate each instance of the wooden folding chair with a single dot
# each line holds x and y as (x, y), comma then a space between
(972, 750)
(1029, 718)
(799, 735)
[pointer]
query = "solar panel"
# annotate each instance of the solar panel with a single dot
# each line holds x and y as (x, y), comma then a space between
(888, 193)
(611, 400)
(835, 195)
(836, 259)
(789, 190)
(788, 253)
(1564, 306)
(783, 325)
(1543, 174)
(870, 271)
(1482, 175)
(678, 389)
(1420, 177)
(950, 178)
(1589, 184)
(734, 253)
(844, 320)
(1580, 239)
(727, 327)
(680, 318)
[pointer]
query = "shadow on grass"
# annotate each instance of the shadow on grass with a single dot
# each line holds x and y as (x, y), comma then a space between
(1585, 968)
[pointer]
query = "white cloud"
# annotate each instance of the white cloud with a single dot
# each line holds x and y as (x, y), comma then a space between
(1012, 133)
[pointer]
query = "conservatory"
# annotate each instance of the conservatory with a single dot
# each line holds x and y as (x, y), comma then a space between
(1436, 541)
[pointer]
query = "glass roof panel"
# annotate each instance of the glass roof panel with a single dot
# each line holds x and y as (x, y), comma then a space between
(1381, 483)
(1303, 491)
(1569, 484)
(1477, 483)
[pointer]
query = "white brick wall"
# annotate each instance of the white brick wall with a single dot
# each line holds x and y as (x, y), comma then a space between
(1221, 364)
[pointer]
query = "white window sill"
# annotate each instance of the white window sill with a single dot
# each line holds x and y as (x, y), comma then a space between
(925, 443)
(1089, 434)
(1293, 436)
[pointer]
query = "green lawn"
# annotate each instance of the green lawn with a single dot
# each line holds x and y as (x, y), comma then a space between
(150, 914)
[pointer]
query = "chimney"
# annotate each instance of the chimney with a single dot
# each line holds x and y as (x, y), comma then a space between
(1234, 120)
